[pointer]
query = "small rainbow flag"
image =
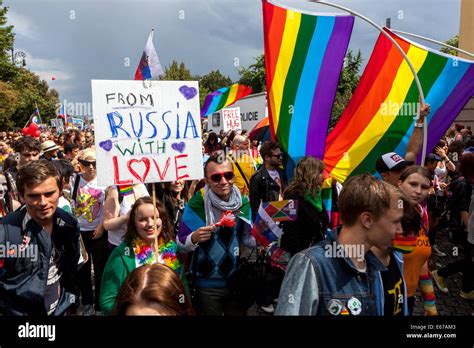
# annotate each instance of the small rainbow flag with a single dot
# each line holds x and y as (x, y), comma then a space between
(224, 97)
(125, 190)
(380, 116)
(304, 54)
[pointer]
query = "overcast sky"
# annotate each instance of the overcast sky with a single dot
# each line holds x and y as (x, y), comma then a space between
(80, 40)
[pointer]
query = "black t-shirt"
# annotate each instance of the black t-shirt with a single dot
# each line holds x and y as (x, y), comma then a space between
(393, 289)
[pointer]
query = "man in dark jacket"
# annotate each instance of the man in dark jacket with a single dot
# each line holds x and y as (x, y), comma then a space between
(39, 247)
(269, 182)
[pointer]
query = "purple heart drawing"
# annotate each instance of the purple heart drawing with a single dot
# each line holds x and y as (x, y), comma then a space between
(106, 145)
(178, 147)
(188, 92)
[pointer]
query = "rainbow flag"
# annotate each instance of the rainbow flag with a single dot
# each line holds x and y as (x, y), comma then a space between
(125, 190)
(404, 244)
(224, 97)
(380, 116)
(304, 54)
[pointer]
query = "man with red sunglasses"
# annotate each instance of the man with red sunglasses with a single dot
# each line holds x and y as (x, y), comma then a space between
(216, 245)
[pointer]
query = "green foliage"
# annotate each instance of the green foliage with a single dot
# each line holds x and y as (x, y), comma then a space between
(33, 91)
(176, 72)
(254, 76)
(211, 82)
(347, 84)
(6, 34)
(454, 41)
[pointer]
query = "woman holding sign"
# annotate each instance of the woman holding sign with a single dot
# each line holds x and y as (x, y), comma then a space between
(117, 208)
(140, 248)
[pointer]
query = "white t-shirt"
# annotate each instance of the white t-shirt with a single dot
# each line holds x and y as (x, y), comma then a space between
(65, 205)
(89, 204)
(274, 174)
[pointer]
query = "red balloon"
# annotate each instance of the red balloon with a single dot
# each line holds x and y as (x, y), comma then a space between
(37, 134)
(33, 126)
(25, 131)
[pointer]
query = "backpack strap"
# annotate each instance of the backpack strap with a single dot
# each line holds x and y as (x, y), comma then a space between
(240, 170)
(77, 181)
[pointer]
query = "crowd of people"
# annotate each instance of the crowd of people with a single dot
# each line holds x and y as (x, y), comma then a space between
(72, 247)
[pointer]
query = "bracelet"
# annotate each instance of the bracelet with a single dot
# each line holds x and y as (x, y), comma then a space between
(419, 125)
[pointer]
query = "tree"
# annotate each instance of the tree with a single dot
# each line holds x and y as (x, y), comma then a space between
(177, 72)
(214, 80)
(254, 76)
(454, 41)
(33, 91)
(211, 82)
(7, 70)
(8, 98)
(347, 84)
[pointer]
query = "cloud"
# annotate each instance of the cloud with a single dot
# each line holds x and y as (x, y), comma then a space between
(47, 68)
(205, 34)
(23, 26)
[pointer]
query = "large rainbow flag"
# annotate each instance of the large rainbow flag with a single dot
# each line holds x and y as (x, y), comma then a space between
(380, 116)
(224, 97)
(304, 54)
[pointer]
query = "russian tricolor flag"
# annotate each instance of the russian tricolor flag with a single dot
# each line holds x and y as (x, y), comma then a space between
(63, 114)
(149, 65)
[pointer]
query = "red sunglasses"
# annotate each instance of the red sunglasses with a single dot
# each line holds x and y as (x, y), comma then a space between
(217, 177)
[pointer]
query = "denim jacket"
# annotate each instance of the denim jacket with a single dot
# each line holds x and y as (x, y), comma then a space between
(316, 284)
(23, 279)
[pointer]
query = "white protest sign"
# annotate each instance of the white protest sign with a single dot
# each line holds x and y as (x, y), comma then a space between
(57, 122)
(231, 118)
(78, 123)
(147, 131)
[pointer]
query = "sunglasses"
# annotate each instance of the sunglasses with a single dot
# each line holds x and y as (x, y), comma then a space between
(278, 156)
(87, 163)
(217, 177)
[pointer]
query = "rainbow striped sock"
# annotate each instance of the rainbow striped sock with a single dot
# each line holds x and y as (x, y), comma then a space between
(428, 294)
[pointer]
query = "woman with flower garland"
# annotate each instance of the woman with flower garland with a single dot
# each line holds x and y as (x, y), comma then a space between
(139, 249)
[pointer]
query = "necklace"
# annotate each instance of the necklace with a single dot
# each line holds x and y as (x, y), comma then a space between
(145, 254)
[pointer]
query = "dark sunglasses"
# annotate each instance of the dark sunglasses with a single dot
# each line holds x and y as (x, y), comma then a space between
(279, 156)
(87, 163)
(217, 177)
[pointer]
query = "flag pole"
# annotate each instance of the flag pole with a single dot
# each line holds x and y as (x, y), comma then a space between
(39, 116)
(433, 41)
(410, 65)
(153, 195)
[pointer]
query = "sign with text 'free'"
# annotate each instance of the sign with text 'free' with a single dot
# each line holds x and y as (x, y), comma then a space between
(146, 131)
(231, 119)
